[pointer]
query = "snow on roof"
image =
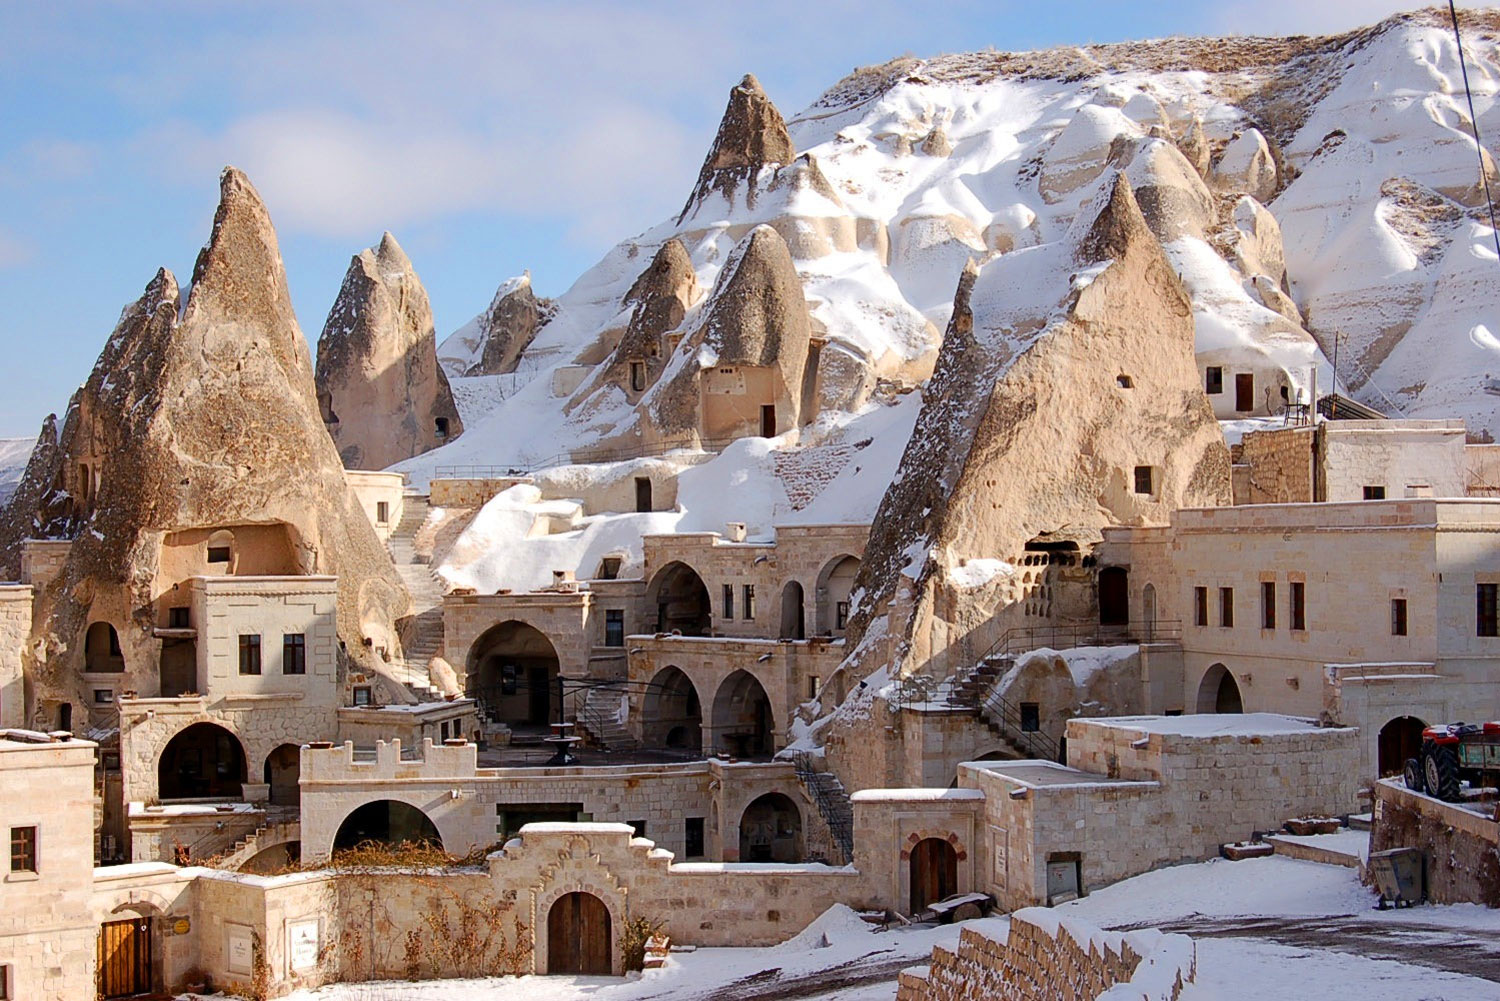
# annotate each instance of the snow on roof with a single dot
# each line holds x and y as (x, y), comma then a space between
(1210, 724)
(560, 827)
(918, 795)
(1051, 775)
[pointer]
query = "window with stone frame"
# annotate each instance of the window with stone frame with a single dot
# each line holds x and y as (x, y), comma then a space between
(250, 653)
(728, 601)
(747, 606)
(23, 849)
(1200, 606)
(294, 653)
(692, 836)
(614, 627)
(362, 695)
(1226, 607)
(1398, 616)
(1299, 606)
(1268, 604)
(1486, 612)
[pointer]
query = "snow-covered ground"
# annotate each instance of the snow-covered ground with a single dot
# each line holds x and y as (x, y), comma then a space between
(14, 454)
(1264, 928)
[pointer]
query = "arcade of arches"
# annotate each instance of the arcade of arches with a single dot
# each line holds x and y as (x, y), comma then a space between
(387, 821)
(204, 761)
(771, 830)
(681, 600)
(513, 675)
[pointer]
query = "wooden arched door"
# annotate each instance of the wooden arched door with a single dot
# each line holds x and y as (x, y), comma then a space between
(934, 873)
(578, 936)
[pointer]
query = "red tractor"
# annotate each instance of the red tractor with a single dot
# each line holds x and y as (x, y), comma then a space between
(1454, 753)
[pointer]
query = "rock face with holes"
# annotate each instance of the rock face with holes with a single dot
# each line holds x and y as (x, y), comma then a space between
(752, 135)
(1039, 424)
(22, 515)
(379, 386)
(199, 428)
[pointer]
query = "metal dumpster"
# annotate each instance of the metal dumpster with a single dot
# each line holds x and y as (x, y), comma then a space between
(1398, 874)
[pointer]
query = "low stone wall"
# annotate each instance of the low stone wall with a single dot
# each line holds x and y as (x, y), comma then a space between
(1461, 846)
(1045, 958)
(470, 492)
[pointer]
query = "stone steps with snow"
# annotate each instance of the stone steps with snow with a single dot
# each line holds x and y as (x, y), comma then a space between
(603, 715)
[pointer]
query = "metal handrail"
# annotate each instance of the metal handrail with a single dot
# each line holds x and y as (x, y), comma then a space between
(840, 819)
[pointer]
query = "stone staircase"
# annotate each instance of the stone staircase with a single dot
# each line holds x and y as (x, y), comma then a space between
(975, 688)
(972, 685)
(832, 800)
(424, 639)
(273, 831)
(602, 716)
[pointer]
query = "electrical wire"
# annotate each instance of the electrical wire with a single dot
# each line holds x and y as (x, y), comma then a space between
(1484, 178)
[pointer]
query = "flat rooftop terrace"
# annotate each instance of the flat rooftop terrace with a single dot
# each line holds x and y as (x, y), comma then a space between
(1051, 775)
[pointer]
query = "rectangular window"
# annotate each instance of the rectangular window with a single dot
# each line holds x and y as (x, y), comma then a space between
(382, 512)
(840, 614)
(614, 627)
(1143, 484)
(1487, 621)
(294, 653)
(104, 696)
(1200, 606)
(23, 849)
(692, 834)
(1226, 607)
(440, 425)
(637, 376)
(1375, 493)
(218, 554)
(443, 731)
(1213, 380)
(179, 618)
(250, 654)
(362, 695)
(1268, 604)
(1398, 616)
(1299, 606)
(1031, 717)
(639, 827)
(748, 611)
(728, 601)
(509, 679)
(813, 683)
(5, 993)
(609, 568)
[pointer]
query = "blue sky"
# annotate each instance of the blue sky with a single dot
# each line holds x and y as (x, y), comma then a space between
(489, 137)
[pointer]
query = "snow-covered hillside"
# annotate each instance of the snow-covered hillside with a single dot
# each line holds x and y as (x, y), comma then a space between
(1322, 189)
(14, 452)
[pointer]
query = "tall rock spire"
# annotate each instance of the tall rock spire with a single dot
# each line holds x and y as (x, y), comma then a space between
(381, 392)
(751, 135)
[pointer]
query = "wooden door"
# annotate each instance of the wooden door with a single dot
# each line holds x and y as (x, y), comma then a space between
(578, 936)
(125, 958)
(934, 873)
(1244, 392)
(768, 421)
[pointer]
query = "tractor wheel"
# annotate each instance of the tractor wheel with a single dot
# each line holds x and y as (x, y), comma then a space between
(1412, 773)
(1440, 769)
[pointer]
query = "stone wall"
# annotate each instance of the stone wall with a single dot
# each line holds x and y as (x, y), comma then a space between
(1043, 958)
(1401, 457)
(43, 559)
(469, 492)
(1280, 466)
(370, 490)
(1462, 847)
(15, 626)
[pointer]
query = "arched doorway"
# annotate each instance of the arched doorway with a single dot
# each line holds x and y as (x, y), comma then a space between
(670, 713)
(1148, 612)
(101, 649)
(681, 600)
(512, 674)
(742, 720)
(835, 584)
(389, 822)
(274, 859)
(126, 957)
(1218, 692)
(578, 936)
(282, 770)
(1400, 739)
(1114, 596)
(934, 873)
(793, 616)
(204, 761)
(771, 830)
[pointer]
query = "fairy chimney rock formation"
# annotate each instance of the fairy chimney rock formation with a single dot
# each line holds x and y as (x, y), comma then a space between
(1024, 435)
(752, 135)
(22, 516)
(381, 392)
(740, 371)
(196, 423)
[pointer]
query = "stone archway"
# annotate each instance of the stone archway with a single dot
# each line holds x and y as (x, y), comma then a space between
(744, 724)
(1218, 692)
(387, 821)
(512, 674)
(203, 761)
(681, 601)
(771, 830)
(671, 715)
(835, 584)
(933, 870)
(101, 649)
(579, 935)
(1400, 739)
(793, 612)
(282, 770)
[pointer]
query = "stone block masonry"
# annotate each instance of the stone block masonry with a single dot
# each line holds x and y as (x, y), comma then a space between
(1042, 957)
(1462, 847)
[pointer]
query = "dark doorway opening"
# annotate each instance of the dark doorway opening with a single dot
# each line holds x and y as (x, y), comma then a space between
(1400, 739)
(204, 761)
(771, 830)
(1244, 392)
(1114, 596)
(768, 421)
(389, 822)
(643, 494)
